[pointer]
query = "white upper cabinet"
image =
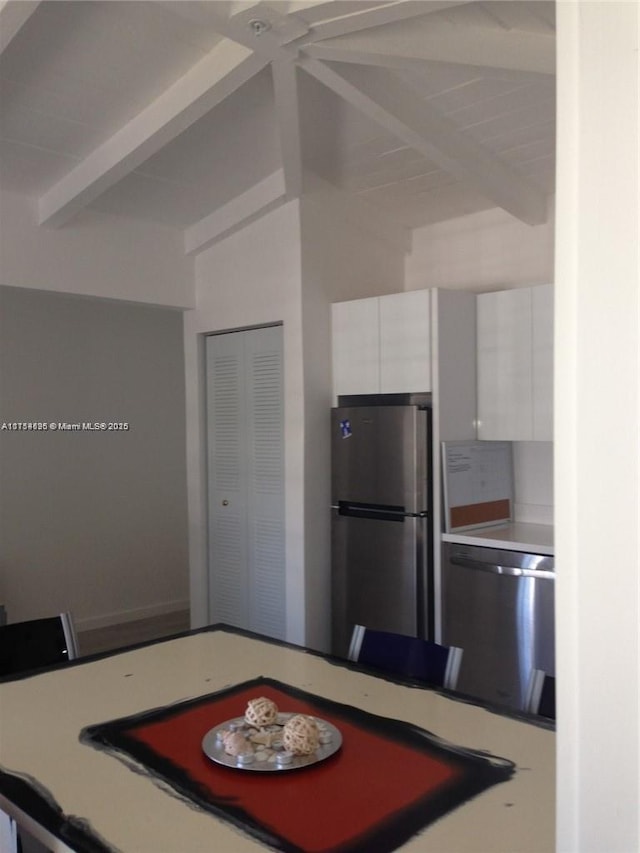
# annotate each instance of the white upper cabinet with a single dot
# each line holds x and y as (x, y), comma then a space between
(405, 342)
(381, 345)
(504, 365)
(356, 346)
(542, 325)
(515, 364)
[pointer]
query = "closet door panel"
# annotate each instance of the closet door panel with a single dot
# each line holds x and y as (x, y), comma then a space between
(245, 474)
(227, 480)
(265, 460)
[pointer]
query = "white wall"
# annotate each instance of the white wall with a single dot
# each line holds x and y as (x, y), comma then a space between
(287, 267)
(597, 425)
(533, 481)
(92, 522)
(95, 255)
(484, 251)
(251, 278)
(343, 257)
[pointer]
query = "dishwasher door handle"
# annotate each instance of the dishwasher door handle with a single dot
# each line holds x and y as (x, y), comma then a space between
(494, 569)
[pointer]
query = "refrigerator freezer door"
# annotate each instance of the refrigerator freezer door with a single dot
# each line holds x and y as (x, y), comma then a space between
(379, 456)
(378, 578)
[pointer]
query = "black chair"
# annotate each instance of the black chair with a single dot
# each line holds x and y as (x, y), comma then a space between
(26, 646)
(541, 694)
(38, 643)
(409, 657)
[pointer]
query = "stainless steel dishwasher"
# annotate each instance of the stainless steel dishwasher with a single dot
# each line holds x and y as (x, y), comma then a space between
(498, 606)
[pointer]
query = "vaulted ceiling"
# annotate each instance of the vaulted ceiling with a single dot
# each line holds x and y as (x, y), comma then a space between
(193, 112)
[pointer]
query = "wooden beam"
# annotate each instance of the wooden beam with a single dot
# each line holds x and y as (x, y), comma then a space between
(400, 61)
(381, 96)
(244, 26)
(388, 13)
(537, 16)
(258, 26)
(443, 41)
(205, 85)
(264, 196)
(290, 7)
(14, 14)
(288, 114)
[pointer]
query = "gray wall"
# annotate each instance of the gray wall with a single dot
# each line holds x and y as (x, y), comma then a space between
(94, 522)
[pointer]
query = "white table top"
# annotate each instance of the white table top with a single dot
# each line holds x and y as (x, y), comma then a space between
(41, 717)
(516, 536)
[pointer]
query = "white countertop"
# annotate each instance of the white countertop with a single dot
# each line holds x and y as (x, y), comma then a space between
(516, 536)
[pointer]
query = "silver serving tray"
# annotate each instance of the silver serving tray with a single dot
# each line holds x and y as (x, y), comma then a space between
(213, 747)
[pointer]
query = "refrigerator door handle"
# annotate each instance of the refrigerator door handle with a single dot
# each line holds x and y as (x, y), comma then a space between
(379, 513)
(493, 569)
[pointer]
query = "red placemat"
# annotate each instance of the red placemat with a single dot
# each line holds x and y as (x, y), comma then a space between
(387, 782)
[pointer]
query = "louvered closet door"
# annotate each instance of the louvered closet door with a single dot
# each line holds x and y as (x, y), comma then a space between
(246, 480)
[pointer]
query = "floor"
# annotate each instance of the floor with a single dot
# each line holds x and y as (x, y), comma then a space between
(129, 633)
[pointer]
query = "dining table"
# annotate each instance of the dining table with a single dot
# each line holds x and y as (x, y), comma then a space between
(221, 740)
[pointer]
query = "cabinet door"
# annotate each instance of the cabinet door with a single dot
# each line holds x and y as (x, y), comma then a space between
(356, 347)
(542, 376)
(405, 342)
(505, 404)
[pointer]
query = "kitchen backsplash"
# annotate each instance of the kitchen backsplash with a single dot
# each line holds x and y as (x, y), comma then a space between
(533, 481)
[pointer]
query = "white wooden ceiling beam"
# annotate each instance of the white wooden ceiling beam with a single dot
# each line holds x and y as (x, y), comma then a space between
(332, 9)
(284, 7)
(385, 59)
(538, 15)
(289, 7)
(443, 41)
(14, 14)
(205, 85)
(388, 13)
(381, 96)
(264, 196)
(285, 84)
(261, 27)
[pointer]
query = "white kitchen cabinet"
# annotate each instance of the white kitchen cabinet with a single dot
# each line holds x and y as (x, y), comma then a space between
(356, 346)
(515, 364)
(381, 345)
(542, 377)
(405, 342)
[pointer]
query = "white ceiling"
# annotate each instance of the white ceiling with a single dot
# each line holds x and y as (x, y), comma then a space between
(168, 111)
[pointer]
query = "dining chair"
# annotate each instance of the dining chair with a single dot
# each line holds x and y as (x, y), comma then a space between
(26, 646)
(37, 643)
(411, 657)
(541, 694)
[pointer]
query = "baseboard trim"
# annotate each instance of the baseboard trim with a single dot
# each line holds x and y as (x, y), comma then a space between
(107, 620)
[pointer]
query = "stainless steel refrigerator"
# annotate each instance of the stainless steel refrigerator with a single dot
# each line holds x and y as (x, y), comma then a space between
(381, 534)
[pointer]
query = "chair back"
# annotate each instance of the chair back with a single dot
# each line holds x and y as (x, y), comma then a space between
(410, 657)
(37, 643)
(541, 694)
